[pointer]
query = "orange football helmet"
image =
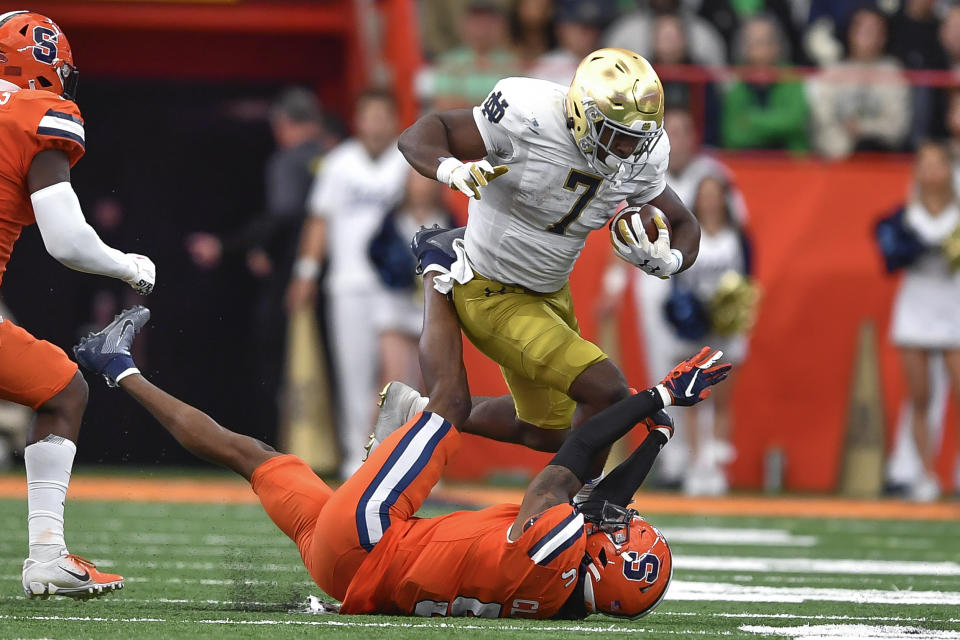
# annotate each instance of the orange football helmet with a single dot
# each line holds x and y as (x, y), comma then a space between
(629, 564)
(35, 54)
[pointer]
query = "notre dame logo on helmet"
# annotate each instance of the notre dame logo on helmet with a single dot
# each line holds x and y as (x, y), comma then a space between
(495, 107)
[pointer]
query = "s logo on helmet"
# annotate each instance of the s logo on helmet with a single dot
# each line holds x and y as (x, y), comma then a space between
(45, 47)
(639, 568)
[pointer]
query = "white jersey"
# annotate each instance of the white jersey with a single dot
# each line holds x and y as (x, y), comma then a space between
(531, 223)
(353, 193)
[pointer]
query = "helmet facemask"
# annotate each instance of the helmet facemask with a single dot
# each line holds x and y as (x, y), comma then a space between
(604, 144)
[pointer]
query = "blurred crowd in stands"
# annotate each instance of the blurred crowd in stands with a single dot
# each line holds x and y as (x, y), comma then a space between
(833, 76)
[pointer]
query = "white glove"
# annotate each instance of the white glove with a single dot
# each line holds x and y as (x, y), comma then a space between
(144, 274)
(468, 178)
(655, 258)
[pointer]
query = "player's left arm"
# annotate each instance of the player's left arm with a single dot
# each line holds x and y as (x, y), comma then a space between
(684, 228)
(687, 384)
(66, 234)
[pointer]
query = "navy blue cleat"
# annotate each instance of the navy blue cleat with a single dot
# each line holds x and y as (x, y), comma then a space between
(434, 247)
(107, 352)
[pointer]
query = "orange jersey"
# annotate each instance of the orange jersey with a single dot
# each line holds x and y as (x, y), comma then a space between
(463, 564)
(30, 122)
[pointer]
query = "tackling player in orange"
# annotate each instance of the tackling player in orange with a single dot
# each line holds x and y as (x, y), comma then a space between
(41, 138)
(361, 544)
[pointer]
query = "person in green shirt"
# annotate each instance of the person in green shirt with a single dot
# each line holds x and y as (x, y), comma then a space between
(464, 76)
(763, 109)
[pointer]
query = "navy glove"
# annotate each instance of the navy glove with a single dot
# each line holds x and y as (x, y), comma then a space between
(690, 381)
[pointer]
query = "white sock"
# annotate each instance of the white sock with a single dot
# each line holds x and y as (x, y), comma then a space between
(48, 475)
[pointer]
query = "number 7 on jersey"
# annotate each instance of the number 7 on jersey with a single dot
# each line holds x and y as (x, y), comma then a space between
(574, 180)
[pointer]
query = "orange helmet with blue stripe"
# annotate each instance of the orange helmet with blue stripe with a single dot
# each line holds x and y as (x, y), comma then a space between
(35, 54)
(629, 564)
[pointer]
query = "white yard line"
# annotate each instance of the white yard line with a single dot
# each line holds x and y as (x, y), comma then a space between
(818, 566)
(213, 582)
(738, 537)
(727, 592)
(815, 632)
(612, 628)
(815, 565)
(81, 618)
(125, 600)
(793, 616)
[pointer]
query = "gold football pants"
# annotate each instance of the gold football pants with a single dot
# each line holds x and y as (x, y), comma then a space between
(535, 339)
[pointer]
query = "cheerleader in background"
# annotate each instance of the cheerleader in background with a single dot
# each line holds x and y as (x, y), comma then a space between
(399, 315)
(713, 303)
(922, 239)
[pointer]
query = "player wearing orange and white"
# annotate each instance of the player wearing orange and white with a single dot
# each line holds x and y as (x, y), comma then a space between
(41, 138)
(547, 557)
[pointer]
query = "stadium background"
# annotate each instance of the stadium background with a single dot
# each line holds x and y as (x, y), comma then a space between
(174, 96)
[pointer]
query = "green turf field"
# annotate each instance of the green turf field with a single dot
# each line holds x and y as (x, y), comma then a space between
(224, 571)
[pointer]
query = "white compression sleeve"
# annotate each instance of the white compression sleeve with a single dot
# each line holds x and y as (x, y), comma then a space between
(69, 238)
(48, 473)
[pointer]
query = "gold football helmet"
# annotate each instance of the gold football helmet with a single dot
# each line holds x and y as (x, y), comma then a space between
(615, 109)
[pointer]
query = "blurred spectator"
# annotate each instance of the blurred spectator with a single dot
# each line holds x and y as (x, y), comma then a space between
(690, 165)
(671, 47)
(862, 103)
(357, 184)
(464, 76)
(531, 29)
(693, 308)
(826, 19)
(728, 16)
(914, 41)
(578, 27)
(400, 317)
(764, 108)
(926, 312)
(269, 240)
(914, 33)
(635, 32)
(440, 21)
(950, 38)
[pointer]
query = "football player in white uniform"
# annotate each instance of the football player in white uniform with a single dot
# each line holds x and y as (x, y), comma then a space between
(555, 163)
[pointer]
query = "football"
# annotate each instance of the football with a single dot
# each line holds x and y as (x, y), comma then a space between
(646, 214)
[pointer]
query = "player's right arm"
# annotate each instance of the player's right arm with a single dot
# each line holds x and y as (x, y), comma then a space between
(435, 144)
(66, 234)
(687, 384)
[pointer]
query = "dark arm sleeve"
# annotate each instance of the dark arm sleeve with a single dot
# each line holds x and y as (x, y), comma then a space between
(620, 485)
(603, 429)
